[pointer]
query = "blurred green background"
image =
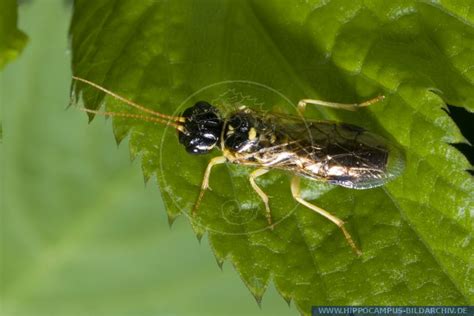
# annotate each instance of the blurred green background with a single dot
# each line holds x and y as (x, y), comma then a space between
(80, 232)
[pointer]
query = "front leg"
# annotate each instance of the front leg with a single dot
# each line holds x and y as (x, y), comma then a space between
(205, 181)
(344, 106)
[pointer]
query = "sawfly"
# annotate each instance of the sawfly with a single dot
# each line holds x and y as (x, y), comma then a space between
(337, 153)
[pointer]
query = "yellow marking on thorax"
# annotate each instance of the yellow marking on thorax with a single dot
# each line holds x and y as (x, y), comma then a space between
(272, 139)
(252, 134)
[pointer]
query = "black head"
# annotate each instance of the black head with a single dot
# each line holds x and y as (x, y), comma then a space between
(203, 126)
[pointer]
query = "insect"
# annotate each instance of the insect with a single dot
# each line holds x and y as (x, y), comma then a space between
(337, 153)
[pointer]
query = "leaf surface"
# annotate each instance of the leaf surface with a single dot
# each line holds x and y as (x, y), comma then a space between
(415, 232)
(80, 234)
(12, 40)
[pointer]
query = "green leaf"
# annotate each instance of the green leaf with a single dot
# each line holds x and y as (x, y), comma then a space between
(416, 232)
(12, 40)
(79, 233)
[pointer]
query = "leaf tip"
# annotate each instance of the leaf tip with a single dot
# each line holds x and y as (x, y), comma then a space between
(220, 263)
(146, 179)
(199, 235)
(146, 174)
(118, 139)
(171, 219)
(258, 299)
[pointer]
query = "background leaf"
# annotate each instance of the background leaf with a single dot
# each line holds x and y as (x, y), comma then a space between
(12, 40)
(79, 232)
(416, 233)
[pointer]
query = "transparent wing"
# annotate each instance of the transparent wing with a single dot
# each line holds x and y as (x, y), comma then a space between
(339, 153)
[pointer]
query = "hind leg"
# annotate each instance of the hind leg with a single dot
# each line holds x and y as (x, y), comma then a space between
(295, 191)
(344, 106)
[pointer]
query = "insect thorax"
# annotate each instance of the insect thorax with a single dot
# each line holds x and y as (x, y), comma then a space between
(245, 134)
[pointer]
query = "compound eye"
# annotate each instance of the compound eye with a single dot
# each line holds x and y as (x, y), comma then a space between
(203, 125)
(203, 106)
(199, 108)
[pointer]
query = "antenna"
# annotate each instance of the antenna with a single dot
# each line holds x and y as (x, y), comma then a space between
(137, 116)
(129, 102)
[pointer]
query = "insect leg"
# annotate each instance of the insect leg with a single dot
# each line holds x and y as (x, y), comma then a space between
(345, 106)
(205, 181)
(295, 191)
(255, 174)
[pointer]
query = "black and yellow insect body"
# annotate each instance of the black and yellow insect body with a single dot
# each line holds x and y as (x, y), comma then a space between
(337, 153)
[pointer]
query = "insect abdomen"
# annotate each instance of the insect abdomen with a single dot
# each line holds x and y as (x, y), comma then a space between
(357, 160)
